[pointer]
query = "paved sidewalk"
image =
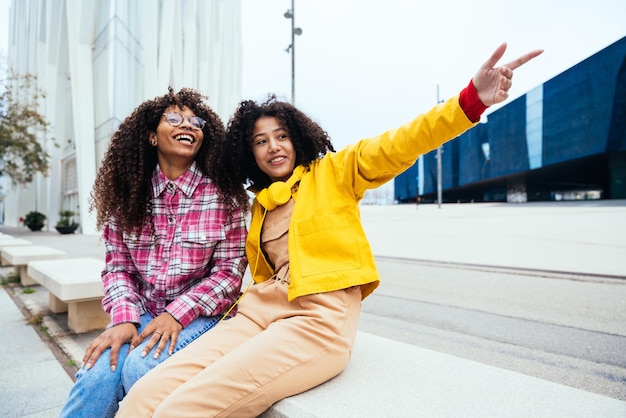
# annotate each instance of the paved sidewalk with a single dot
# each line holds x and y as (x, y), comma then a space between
(35, 375)
(586, 238)
(33, 384)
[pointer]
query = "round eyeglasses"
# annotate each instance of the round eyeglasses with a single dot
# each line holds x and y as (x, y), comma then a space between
(176, 119)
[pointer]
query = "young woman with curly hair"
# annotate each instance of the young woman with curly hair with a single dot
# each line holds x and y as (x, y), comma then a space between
(174, 240)
(309, 257)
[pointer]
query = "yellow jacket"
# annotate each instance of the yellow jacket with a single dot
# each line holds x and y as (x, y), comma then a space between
(328, 249)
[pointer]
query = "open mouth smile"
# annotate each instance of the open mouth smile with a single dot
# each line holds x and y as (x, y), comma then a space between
(185, 138)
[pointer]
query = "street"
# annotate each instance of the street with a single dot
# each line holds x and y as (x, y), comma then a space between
(568, 329)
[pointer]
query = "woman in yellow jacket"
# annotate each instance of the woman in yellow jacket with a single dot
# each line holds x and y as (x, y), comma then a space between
(308, 254)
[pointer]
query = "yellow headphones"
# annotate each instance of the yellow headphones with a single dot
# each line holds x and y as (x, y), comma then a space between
(279, 192)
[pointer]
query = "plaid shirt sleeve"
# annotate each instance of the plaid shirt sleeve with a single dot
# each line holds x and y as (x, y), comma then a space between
(122, 299)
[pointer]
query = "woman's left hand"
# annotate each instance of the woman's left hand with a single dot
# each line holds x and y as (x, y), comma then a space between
(493, 83)
(163, 331)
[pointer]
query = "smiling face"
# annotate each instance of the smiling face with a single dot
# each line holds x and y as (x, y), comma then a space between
(272, 148)
(177, 146)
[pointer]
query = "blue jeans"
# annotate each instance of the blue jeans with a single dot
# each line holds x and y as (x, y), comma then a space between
(98, 390)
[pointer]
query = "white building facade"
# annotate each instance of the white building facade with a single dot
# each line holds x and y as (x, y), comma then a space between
(97, 60)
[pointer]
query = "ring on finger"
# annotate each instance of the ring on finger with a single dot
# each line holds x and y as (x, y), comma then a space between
(158, 332)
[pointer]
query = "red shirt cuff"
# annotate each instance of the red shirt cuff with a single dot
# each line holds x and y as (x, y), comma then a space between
(470, 103)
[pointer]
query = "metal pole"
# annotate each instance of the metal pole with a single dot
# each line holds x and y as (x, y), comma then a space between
(439, 177)
(293, 54)
(438, 165)
(290, 14)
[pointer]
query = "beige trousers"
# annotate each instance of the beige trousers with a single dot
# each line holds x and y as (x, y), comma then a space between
(270, 350)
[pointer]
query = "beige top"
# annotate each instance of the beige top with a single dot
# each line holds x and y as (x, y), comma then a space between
(274, 234)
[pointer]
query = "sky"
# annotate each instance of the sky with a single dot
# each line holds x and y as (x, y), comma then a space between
(366, 66)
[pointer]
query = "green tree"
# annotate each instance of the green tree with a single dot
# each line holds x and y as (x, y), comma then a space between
(21, 153)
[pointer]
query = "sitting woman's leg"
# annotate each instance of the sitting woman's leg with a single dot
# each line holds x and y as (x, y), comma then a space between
(156, 385)
(303, 343)
(96, 391)
(136, 366)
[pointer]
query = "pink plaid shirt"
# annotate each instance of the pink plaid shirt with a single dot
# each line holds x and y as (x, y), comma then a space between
(193, 262)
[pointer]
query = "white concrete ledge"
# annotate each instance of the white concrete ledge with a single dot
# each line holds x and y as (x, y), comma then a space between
(386, 378)
(12, 242)
(19, 256)
(70, 279)
(75, 286)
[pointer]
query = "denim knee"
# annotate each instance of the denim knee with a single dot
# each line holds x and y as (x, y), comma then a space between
(136, 366)
(96, 391)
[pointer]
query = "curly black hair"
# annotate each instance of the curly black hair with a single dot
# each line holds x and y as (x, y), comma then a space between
(123, 187)
(310, 141)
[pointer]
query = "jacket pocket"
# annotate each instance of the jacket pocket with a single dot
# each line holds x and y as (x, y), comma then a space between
(326, 244)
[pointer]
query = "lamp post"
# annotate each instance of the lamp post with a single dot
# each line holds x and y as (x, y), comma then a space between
(290, 14)
(439, 151)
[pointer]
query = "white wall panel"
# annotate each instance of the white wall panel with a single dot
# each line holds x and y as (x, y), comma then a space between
(97, 60)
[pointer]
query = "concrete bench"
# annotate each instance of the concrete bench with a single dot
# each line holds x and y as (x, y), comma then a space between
(19, 256)
(13, 242)
(75, 287)
(386, 378)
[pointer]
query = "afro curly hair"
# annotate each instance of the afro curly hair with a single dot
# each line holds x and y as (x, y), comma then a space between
(310, 141)
(123, 186)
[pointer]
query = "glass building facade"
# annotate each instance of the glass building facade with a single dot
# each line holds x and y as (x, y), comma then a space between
(565, 139)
